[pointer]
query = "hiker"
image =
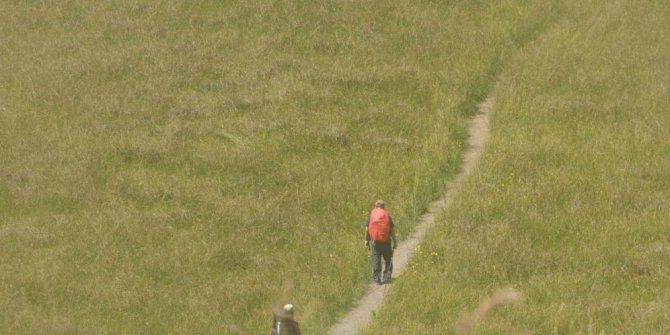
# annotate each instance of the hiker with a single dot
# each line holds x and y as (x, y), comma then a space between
(378, 229)
(283, 322)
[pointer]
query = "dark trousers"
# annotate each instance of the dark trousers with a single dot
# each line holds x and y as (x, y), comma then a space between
(379, 251)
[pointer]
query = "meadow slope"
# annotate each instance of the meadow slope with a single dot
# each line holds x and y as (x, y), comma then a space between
(181, 167)
(570, 205)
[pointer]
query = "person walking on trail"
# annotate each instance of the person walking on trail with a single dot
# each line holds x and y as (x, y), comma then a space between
(379, 232)
(283, 322)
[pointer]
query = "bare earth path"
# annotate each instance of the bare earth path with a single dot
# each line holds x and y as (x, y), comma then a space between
(360, 315)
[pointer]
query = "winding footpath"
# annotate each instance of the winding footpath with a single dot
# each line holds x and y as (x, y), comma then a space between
(361, 314)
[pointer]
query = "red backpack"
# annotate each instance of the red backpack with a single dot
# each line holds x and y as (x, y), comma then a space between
(379, 226)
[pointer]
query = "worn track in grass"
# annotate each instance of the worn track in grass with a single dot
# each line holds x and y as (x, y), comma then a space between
(360, 315)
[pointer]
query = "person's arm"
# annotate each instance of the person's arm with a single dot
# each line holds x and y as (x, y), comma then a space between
(393, 237)
(297, 329)
(367, 233)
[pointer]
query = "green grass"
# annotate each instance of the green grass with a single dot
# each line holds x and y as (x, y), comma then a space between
(570, 204)
(169, 166)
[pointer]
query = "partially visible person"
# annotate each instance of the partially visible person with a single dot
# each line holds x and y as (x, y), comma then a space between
(283, 323)
(379, 233)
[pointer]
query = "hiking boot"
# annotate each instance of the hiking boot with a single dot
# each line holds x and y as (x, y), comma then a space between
(386, 278)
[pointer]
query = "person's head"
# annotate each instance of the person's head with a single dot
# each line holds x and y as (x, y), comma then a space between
(287, 311)
(379, 204)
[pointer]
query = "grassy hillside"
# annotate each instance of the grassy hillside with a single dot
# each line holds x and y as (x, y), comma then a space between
(182, 167)
(570, 205)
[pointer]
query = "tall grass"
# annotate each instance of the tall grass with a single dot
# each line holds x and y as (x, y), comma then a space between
(570, 204)
(167, 166)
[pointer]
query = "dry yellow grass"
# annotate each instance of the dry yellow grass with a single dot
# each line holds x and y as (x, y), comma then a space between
(166, 165)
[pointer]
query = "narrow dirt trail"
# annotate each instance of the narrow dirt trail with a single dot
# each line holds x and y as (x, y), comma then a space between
(361, 314)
